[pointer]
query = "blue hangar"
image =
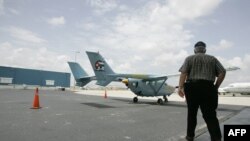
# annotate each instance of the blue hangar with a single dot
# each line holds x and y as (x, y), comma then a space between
(22, 76)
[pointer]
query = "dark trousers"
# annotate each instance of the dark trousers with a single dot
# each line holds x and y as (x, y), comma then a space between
(205, 96)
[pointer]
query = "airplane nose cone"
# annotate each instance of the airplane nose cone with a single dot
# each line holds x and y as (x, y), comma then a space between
(125, 81)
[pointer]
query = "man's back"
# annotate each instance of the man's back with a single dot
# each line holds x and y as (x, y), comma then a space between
(202, 67)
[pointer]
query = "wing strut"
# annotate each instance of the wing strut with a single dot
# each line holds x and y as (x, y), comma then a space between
(156, 91)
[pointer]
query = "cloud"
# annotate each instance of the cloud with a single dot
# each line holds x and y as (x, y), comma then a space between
(56, 21)
(88, 26)
(1, 7)
(149, 38)
(14, 11)
(25, 35)
(156, 25)
(155, 32)
(170, 58)
(102, 6)
(189, 10)
(35, 58)
(241, 75)
(222, 45)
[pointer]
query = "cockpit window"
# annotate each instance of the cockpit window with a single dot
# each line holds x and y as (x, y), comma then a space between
(135, 84)
(153, 83)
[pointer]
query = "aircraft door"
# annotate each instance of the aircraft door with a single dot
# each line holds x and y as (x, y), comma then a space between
(134, 85)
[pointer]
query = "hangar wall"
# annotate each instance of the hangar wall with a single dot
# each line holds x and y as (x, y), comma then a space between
(22, 76)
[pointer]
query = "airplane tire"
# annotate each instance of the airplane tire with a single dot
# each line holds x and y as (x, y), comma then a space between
(135, 99)
(159, 101)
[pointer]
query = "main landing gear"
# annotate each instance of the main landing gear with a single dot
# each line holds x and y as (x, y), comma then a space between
(159, 101)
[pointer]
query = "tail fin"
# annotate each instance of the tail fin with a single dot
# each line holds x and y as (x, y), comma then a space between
(80, 75)
(101, 68)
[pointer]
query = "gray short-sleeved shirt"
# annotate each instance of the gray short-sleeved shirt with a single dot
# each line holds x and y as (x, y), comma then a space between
(202, 67)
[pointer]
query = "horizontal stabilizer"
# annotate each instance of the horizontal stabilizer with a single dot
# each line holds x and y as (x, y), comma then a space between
(84, 81)
(80, 75)
(103, 82)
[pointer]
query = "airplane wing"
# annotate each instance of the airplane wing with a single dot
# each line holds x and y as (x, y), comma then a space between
(233, 68)
(174, 75)
(145, 77)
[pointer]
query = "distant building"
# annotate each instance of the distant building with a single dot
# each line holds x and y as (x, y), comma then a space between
(22, 76)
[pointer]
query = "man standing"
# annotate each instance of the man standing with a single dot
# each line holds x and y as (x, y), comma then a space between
(201, 76)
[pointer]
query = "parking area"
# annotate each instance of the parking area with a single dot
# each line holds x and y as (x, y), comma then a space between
(66, 115)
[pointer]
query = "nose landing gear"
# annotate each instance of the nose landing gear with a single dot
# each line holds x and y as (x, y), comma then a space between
(160, 101)
(135, 99)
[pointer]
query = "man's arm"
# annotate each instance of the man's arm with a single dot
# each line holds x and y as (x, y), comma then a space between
(182, 80)
(220, 70)
(220, 79)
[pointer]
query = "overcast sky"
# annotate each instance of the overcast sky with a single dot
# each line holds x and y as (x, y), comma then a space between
(135, 36)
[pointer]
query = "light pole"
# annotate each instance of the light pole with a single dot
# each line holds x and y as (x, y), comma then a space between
(76, 54)
(75, 62)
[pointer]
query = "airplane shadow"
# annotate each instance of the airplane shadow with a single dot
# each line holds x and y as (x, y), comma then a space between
(224, 108)
(97, 105)
(170, 103)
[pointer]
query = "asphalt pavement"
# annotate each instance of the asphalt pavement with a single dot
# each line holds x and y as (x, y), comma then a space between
(68, 116)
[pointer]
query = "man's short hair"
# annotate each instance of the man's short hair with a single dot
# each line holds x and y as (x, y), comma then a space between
(200, 47)
(200, 44)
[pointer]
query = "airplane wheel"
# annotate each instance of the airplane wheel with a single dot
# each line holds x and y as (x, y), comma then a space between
(159, 101)
(135, 100)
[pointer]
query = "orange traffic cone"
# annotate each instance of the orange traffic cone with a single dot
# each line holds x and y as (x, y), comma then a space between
(105, 94)
(36, 104)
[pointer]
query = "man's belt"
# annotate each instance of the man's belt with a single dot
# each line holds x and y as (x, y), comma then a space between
(200, 81)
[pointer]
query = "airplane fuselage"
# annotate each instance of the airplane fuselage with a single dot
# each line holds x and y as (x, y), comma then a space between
(149, 88)
(242, 88)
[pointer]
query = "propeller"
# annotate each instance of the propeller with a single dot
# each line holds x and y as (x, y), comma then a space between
(125, 81)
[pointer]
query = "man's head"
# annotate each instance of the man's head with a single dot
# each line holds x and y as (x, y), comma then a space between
(200, 47)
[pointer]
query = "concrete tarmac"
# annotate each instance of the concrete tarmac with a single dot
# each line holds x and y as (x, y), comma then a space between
(66, 115)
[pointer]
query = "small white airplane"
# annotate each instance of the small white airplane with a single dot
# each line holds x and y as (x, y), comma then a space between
(144, 85)
(241, 88)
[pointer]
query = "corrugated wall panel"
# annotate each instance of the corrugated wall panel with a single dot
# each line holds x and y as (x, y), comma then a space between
(36, 77)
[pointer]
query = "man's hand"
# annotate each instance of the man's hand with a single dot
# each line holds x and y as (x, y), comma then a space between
(181, 92)
(183, 77)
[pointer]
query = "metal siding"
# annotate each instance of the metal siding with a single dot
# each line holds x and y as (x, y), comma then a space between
(59, 78)
(6, 72)
(67, 80)
(28, 77)
(35, 77)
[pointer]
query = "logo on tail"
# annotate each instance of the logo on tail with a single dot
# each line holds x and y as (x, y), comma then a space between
(99, 65)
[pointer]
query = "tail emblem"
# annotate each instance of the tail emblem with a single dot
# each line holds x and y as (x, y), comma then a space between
(99, 65)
